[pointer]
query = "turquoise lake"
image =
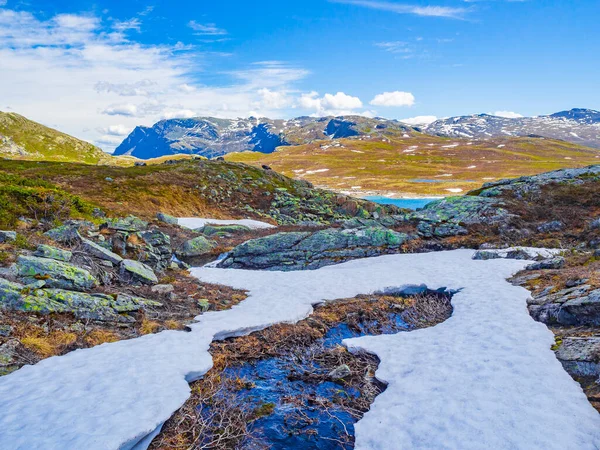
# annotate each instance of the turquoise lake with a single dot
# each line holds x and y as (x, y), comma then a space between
(409, 203)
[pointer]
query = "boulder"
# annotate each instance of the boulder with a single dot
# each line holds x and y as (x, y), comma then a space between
(9, 293)
(138, 271)
(166, 218)
(195, 247)
(163, 289)
(8, 236)
(548, 227)
(466, 210)
(65, 234)
(129, 223)
(156, 250)
(340, 372)
(57, 274)
(8, 353)
(483, 255)
(100, 252)
(47, 251)
(580, 356)
(223, 230)
(552, 263)
(311, 250)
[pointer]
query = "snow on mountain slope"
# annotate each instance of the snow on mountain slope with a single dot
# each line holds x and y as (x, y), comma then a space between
(580, 126)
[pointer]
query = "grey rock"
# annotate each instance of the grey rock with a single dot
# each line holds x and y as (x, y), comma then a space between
(464, 210)
(5, 330)
(8, 353)
(138, 271)
(595, 224)
(223, 230)
(7, 236)
(47, 251)
(483, 255)
(195, 247)
(340, 372)
(65, 234)
(555, 225)
(57, 274)
(166, 218)
(552, 263)
(163, 289)
(129, 223)
(580, 356)
(100, 252)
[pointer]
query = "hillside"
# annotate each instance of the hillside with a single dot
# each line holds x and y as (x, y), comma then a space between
(578, 125)
(419, 164)
(211, 137)
(21, 138)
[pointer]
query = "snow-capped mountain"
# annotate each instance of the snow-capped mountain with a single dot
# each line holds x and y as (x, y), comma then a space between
(210, 137)
(580, 126)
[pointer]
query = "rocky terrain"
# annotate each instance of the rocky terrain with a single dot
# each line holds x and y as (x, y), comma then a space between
(212, 137)
(579, 126)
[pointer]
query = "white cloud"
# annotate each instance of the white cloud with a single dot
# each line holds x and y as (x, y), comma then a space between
(131, 24)
(398, 8)
(116, 130)
(206, 29)
(179, 114)
(274, 100)
(330, 104)
(126, 109)
(507, 114)
(396, 98)
(419, 120)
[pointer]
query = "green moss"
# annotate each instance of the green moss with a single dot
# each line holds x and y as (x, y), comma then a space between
(266, 409)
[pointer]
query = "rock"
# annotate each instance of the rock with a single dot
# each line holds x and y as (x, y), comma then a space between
(100, 252)
(595, 224)
(98, 213)
(521, 253)
(553, 263)
(467, 210)
(166, 218)
(139, 271)
(577, 306)
(109, 179)
(57, 274)
(220, 230)
(485, 255)
(65, 234)
(129, 223)
(9, 292)
(163, 289)
(555, 225)
(580, 356)
(8, 353)
(311, 250)
(47, 251)
(8, 236)
(195, 247)
(204, 304)
(576, 282)
(5, 330)
(340, 372)
(157, 251)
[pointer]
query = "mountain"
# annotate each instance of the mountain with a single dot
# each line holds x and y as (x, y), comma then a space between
(580, 126)
(211, 137)
(21, 138)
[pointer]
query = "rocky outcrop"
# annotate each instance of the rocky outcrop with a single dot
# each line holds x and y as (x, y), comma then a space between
(195, 247)
(166, 218)
(55, 274)
(579, 305)
(100, 252)
(47, 251)
(465, 210)
(311, 250)
(580, 356)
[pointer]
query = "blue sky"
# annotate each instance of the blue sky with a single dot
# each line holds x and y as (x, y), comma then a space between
(96, 69)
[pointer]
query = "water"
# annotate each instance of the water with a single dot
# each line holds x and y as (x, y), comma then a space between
(408, 203)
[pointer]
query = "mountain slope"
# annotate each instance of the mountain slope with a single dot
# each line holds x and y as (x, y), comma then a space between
(419, 164)
(211, 137)
(21, 138)
(580, 126)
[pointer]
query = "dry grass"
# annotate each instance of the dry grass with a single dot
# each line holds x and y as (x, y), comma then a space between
(98, 337)
(51, 344)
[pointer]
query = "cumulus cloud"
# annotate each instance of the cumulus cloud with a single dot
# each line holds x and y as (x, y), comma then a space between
(338, 104)
(396, 98)
(116, 130)
(419, 120)
(126, 109)
(507, 114)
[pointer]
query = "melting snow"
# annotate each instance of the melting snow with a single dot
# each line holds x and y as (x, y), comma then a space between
(197, 222)
(454, 190)
(310, 172)
(485, 378)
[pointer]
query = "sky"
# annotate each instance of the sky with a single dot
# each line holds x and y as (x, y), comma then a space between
(98, 68)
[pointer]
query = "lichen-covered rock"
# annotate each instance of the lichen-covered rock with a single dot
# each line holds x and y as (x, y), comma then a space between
(9, 292)
(138, 271)
(429, 230)
(57, 274)
(484, 255)
(156, 250)
(340, 372)
(306, 250)
(47, 251)
(552, 263)
(65, 234)
(465, 210)
(7, 236)
(580, 356)
(223, 230)
(195, 247)
(166, 218)
(548, 227)
(100, 252)
(129, 223)
(8, 353)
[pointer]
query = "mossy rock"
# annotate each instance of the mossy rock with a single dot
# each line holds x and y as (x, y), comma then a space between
(196, 247)
(47, 251)
(139, 271)
(219, 230)
(57, 274)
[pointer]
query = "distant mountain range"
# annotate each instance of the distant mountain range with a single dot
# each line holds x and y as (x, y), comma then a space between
(580, 126)
(210, 137)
